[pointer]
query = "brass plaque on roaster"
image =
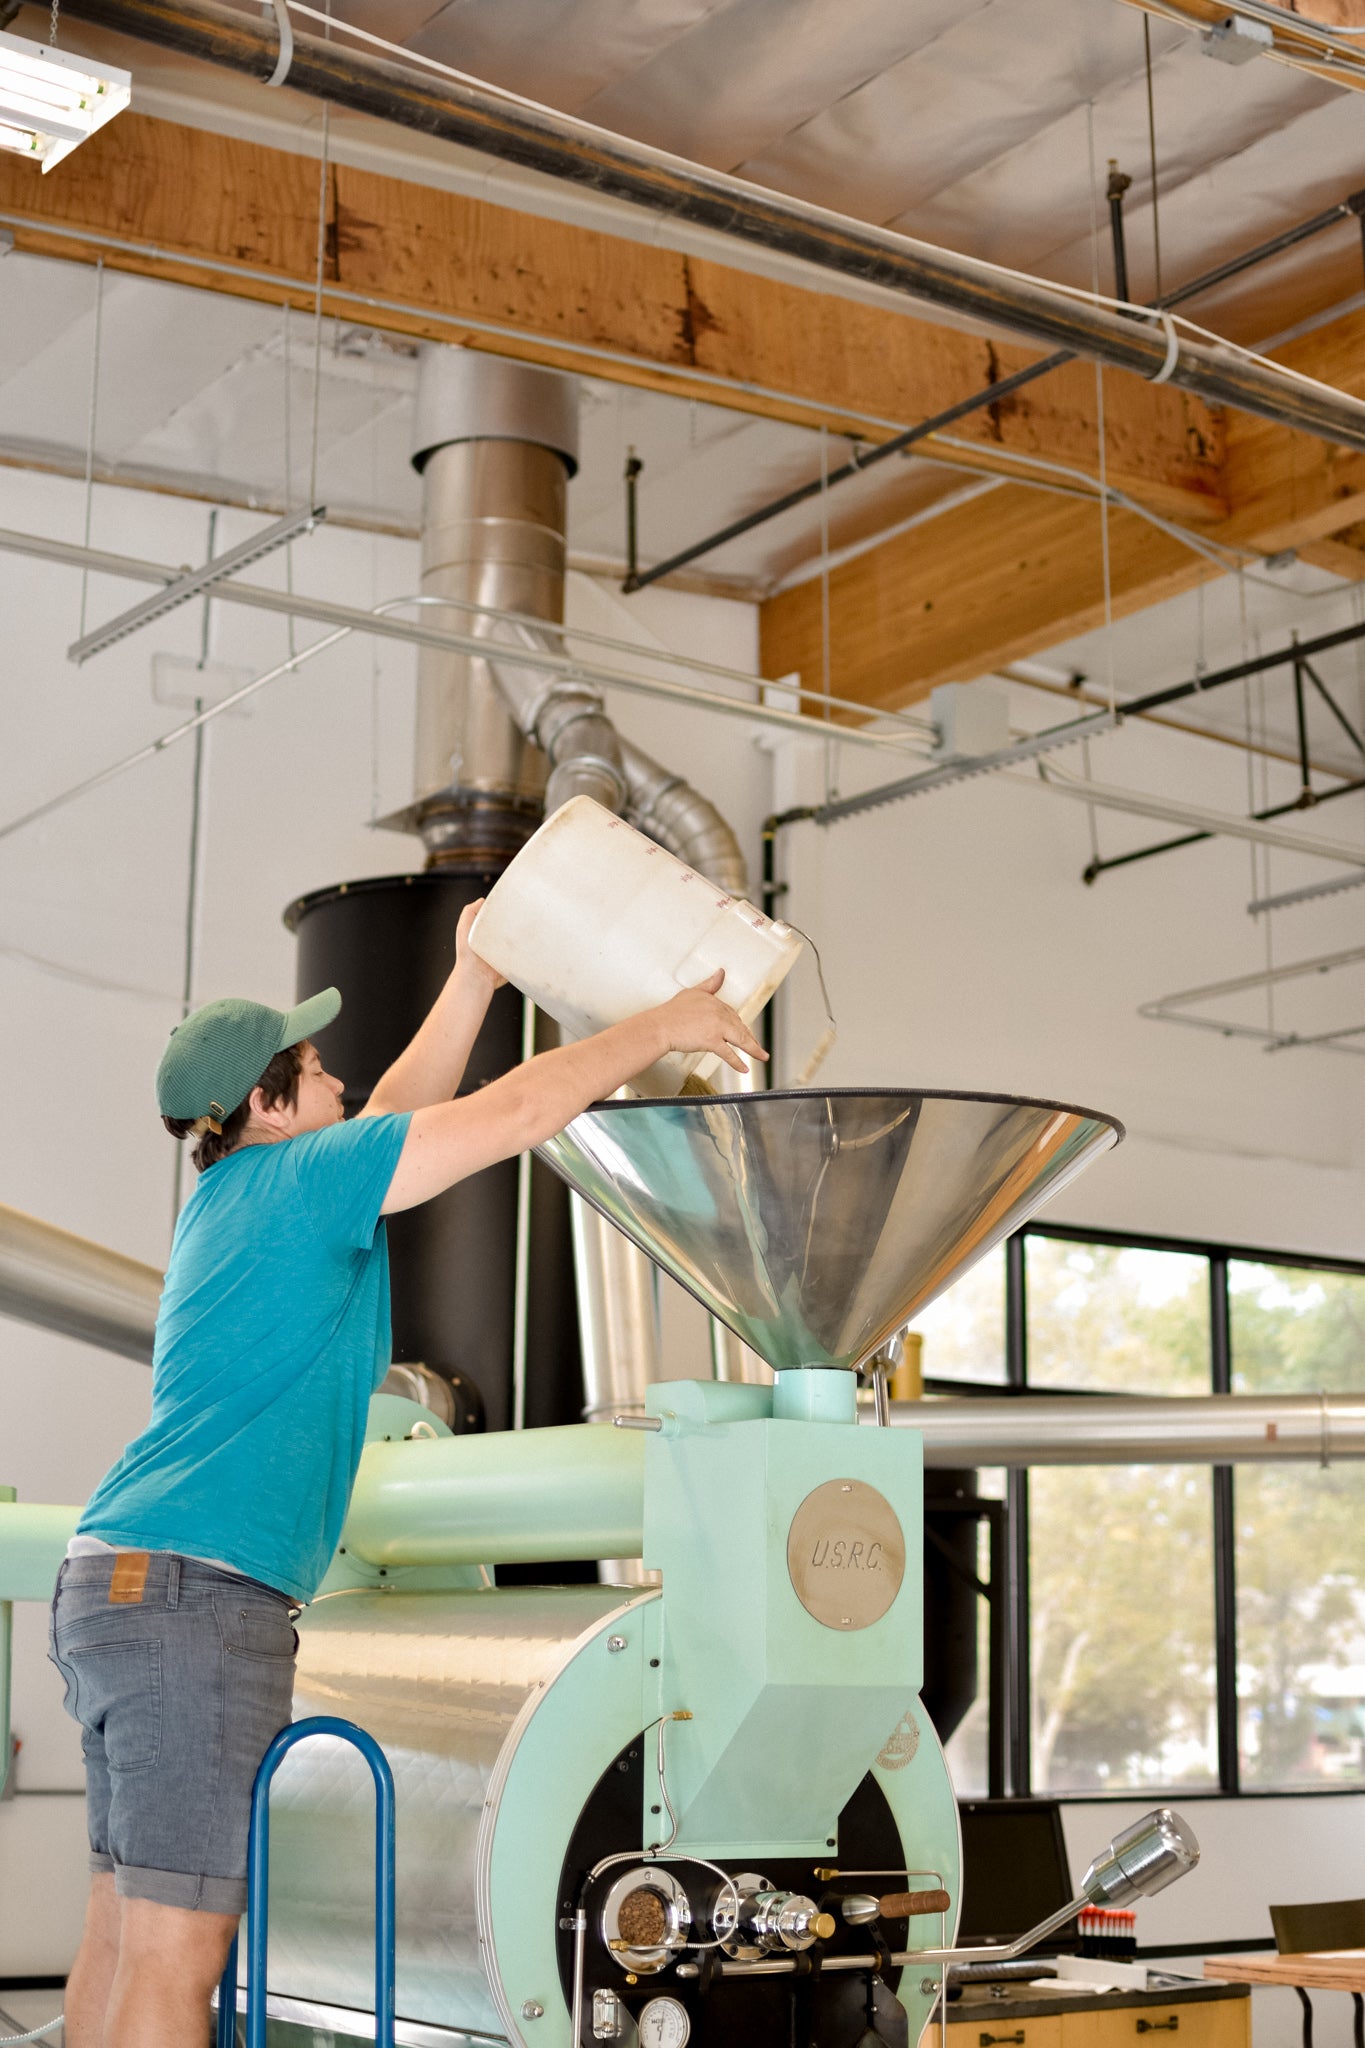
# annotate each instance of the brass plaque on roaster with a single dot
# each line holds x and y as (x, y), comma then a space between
(846, 1554)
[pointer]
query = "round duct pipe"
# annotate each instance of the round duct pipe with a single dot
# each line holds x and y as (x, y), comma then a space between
(65, 1283)
(495, 442)
(1122, 1429)
(497, 744)
(465, 395)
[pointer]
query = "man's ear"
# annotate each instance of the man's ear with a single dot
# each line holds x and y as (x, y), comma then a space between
(263, 1111)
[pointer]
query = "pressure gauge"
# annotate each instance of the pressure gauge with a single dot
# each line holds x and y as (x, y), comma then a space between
(664, 2024)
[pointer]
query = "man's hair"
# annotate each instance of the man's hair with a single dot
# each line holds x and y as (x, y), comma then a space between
(278, 1084)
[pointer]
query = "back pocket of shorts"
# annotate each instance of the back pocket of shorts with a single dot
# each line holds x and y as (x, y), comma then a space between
(262, 1629)
(120, 1694)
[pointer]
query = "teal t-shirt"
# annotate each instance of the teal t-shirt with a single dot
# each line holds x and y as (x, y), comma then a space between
(272, 1334)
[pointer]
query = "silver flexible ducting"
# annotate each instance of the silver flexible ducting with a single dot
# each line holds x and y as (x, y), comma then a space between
(589, 757)
(668, 809)
(566, 721)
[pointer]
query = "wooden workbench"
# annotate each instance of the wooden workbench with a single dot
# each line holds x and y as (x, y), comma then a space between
(1041, 2016)
(1341, 1969)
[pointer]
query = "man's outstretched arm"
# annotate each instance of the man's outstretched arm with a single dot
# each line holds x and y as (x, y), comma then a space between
(431, 1067)
(524, 1108)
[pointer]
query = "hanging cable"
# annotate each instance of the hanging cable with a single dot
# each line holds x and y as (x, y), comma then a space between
(192, 875)
(1105, 563)
(323, 176)
(92, 412)
(1248, 726)
(287, 348)
(169, 739)
(825, 680)
(49, 2026)
(1151, 151)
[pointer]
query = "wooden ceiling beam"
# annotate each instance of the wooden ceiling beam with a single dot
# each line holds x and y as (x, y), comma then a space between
(1287, 490)
(1019, 572)
(208, 209)
(989, 583)
(984, 585)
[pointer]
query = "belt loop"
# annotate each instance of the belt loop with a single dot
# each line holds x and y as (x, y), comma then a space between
(173, 1582)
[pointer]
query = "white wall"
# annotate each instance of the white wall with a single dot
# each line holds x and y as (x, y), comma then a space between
(92, 933)
(962, 951)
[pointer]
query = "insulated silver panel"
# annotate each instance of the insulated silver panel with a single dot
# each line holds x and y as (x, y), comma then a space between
(439, 1679)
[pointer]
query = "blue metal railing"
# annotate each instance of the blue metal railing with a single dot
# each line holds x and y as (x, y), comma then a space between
(258, 1886)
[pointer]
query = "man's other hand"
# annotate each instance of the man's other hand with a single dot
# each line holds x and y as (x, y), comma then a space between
(698, 1021)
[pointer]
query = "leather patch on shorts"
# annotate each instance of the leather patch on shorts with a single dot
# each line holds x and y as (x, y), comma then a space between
(130, 1577)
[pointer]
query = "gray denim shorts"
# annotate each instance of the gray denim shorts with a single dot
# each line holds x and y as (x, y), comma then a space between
(179, 1676)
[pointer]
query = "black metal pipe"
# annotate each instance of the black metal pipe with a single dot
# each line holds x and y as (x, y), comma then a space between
(992, 393)
(1093, 869)
(1125, 860)
(1017, 1531)
(997, 1695)
(1114, 191)
(560, 147)
(1306, 798)
(897, 445)
(633, 468)
(1258, 665)
(1224, 1542)
(1332, 705)
(1354, 203)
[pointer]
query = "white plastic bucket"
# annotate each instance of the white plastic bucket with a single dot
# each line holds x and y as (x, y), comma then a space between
(594, 923)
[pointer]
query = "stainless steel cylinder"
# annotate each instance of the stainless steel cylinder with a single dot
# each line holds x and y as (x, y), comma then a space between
(453, 1685)
(65, 1283)
(1209, 1429)
(618, 1334)
(618, 1316)
(496, 443)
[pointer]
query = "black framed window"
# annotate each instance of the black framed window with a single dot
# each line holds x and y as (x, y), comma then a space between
(1300, 1572)
(1174, 1627)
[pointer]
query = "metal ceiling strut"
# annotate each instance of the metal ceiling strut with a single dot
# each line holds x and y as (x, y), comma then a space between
(559, 146)
(1296, 656)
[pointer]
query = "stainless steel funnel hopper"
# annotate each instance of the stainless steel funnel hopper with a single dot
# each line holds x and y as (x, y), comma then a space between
(816, 1224)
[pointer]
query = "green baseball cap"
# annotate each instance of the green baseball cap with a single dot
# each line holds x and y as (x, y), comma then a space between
(216, 1057)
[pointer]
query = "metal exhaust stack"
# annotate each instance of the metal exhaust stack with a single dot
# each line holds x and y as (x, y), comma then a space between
(496, 443)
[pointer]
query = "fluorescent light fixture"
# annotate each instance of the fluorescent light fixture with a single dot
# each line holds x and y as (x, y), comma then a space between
(192, 581)
(50, 102)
